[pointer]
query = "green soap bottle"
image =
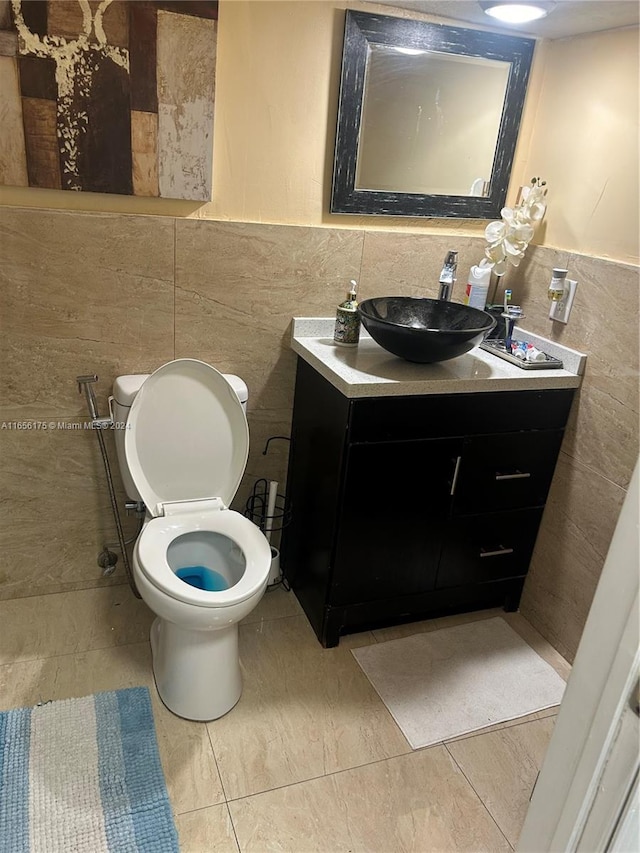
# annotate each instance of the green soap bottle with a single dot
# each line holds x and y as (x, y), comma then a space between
(347, 330)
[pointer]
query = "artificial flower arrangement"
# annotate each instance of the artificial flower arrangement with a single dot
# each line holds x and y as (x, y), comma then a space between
(508, 239)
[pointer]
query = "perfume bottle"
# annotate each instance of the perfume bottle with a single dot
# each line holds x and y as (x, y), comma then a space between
(347, 329)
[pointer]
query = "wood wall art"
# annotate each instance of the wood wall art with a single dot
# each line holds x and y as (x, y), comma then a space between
(108, 96)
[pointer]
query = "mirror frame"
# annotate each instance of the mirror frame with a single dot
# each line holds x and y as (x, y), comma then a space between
(363, 29)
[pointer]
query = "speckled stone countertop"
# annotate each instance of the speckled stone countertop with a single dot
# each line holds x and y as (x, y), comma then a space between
(370, 371)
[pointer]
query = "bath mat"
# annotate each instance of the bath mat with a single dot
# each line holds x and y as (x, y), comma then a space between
(84, 775)
(441, 684)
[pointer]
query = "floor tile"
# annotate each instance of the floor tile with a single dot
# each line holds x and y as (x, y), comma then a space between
(538, 643)
(528, 718)
(305, 711)
(409, 804)
(275, 604)
(45, 626)
(185, 748)
(502, 767)
(207, 831)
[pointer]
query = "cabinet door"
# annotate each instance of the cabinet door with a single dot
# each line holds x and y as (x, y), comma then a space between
(506, 471)
(395, 501)
(482, 548)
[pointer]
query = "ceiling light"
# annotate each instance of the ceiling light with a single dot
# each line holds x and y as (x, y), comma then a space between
(515, 12)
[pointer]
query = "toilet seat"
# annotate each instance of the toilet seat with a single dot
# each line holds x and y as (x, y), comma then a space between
(187, 436)
(156, 537)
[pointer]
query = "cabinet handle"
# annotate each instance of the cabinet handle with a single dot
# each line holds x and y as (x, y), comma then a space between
(517, 475)
(498, 552)
(454, 482)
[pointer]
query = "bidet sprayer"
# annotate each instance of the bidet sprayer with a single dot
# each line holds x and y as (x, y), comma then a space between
(84, 384)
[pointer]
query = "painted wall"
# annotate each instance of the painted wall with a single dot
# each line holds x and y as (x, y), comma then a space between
(585, 142)
(122, 293)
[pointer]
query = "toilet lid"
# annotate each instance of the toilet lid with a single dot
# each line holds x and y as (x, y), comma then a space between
(186, 436)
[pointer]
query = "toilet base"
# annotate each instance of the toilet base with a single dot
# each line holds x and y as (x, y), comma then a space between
(197, 673)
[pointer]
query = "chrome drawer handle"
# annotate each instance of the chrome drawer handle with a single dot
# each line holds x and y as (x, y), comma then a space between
(454, 482)
(498, 553)
(517, 475)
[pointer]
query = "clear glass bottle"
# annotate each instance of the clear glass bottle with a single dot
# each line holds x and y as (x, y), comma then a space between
(556, 286)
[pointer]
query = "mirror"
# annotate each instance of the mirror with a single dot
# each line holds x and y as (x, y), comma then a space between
(428, 118)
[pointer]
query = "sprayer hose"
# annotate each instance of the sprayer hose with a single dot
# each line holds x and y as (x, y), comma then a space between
(116, 514)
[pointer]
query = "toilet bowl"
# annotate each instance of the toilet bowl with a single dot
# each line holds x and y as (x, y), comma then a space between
(198, 565)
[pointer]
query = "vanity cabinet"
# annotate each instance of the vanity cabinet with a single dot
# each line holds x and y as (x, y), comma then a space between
(405, 507)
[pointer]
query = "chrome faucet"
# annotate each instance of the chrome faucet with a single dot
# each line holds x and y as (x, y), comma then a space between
(448, 276)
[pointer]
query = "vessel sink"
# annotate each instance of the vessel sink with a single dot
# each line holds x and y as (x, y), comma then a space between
(424, 330)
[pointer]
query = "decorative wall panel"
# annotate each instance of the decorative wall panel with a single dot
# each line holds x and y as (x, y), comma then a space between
(114, 96)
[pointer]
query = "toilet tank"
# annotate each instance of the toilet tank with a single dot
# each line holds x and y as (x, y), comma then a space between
(125, 389)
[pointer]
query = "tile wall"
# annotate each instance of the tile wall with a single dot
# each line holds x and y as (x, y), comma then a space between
(111, 294)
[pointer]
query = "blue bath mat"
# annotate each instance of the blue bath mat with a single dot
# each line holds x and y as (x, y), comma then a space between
(84, 775)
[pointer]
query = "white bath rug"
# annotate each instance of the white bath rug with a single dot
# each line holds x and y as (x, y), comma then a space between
(441, 684)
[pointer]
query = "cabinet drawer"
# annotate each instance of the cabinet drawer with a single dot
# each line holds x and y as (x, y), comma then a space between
(445, 415)
(484, 548)
(505, 471)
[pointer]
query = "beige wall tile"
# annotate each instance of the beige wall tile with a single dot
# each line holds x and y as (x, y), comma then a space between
(239, 285)
(502, 767)
(71, 622)
(264, 423)
(576, 530)
(305, 711)
(81, 293)
(409, 804)
(410, 264)
(237, 288)
(603, 432)
(56, 514)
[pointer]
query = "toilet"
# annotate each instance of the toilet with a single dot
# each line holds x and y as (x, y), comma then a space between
(182, 443)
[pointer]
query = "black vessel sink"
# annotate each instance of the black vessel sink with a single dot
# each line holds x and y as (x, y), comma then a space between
(424, 330)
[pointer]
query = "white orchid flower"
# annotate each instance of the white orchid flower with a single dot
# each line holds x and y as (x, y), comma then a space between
(508, 239)
(523, 232)
(495, 231)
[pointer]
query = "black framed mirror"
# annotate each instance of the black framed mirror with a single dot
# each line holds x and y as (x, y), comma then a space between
(428, 118)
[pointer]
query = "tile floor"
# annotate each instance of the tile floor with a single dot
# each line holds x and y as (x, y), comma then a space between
(310, 759)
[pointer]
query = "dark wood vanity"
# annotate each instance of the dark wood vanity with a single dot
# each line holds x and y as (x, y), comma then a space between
(405, 507)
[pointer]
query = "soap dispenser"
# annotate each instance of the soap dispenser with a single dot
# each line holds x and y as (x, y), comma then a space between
(347, 329)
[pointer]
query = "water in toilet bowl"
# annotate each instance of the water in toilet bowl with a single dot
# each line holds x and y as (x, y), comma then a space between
(203, 578)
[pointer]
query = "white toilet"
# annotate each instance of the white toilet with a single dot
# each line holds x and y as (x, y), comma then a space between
(200, 566)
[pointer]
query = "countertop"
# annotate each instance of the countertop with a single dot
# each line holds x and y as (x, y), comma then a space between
(370, 371)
